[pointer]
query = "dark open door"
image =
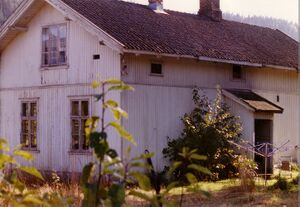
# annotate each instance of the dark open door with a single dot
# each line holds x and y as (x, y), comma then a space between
(263, 134)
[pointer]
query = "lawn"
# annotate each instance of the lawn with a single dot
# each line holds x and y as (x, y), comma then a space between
(228, 193)
(225, 193)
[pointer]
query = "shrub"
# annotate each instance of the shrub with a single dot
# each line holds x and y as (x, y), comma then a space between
(14, 191)
(246, 172)
(207, 129)
(282, 184)
(294, 167)
(295, 180)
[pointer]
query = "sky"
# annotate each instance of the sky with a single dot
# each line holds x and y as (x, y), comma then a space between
(283, 9)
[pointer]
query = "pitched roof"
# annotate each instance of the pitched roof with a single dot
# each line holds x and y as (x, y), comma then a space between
(141, 29)
(255, 101)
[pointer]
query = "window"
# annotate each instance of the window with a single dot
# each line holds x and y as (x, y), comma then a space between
(29, 124)
(156, 69)
(79, 115)
(237, 72)
(54, 45)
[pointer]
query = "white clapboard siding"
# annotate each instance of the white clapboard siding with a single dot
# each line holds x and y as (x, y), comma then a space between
(22, 77)
(187, 73)
(181, 75)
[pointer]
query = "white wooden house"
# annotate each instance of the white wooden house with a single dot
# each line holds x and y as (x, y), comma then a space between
(51, 50)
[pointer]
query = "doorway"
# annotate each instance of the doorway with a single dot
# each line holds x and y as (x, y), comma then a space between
(263, 134)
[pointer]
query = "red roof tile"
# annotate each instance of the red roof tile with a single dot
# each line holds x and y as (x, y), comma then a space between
(139, 28)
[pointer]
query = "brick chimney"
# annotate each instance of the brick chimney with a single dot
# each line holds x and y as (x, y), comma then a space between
(156, 5)
(210, 8)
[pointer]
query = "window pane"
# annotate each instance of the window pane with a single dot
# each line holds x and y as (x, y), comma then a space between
(63, 31)
(237, 72)
(85, 145)
(33, 127)
(75, 142)
(53, 58)
(75, 127)
(84, 108)
(25, 140)
(33, 130)
(84, 141)
(25, 126)
(62, 57)
(45, 40)
(33, 109)
(75, 108)
(156, 68)
(24, 109)
(33, 141)
(45, 59)
(53, 32)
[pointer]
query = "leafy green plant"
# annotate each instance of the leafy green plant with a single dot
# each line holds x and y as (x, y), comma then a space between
(207, 128)
(105, 180)
(282, 184)
(246, 172)
(13, 190)
(162, 179)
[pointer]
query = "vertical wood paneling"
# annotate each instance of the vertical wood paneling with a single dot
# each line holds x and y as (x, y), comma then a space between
(22, 77)
(181, 75)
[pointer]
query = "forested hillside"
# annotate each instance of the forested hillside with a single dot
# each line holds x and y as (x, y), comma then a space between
(288, 28)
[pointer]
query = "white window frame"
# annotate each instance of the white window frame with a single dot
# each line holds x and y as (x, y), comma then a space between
(58, 65)
(80, 99)
(29, 118)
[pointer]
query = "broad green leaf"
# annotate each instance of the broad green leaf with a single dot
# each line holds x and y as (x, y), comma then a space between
(113, 81)
(117, 195)
(198, 157)
(143, 180)
(144, 156)
(3, 145)
(191, 178)
(122, 132)
(96, 137)
(86, 174)
(95, 84)
(118, 113)
(23, 154)
(140, 165)
(121, 88)
(101, 148)
(6, 159)
(111, 103)
(91, 121)
(172, 185)
(199, 169)
(32, 171)
(88, 132)
(174, 167)
(90, 195)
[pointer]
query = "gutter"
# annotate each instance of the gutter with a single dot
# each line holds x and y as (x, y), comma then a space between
(207, 59)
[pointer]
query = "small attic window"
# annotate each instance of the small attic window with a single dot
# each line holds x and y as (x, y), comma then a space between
(237, 72)
(156, 69)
